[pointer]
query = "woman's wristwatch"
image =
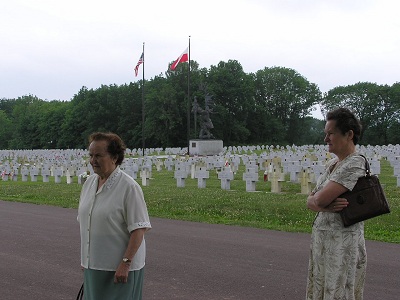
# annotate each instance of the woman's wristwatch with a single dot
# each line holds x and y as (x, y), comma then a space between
(126, 260)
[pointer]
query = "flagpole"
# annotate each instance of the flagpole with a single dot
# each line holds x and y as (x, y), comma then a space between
(188, 105)
(143, 109)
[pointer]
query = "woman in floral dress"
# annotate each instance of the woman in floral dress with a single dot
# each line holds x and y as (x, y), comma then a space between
(338, 257)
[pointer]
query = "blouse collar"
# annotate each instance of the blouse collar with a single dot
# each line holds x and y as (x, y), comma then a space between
(113, 178)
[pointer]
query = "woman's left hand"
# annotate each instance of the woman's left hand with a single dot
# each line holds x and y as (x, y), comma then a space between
(121, 274)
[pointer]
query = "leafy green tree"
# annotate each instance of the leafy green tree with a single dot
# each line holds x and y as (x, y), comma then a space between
(129, 105)
(271, 106)
(178, 82)
(358, 98)
(6, 130)
(314, 132)
(76, 126)
(165, 114)
(376, 106)
(231, 90)
(50, 121)
(26, 116)
(286, 96)
(385, 100)
(7, 105)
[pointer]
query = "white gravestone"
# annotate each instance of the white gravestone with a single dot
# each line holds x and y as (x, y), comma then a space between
(15, 174)
(251, 177)
(226, 175)
(58, 172)
(34, 173)
(168, 163)
(45, 174)
(305, 182)
(180, 175)
(69, 176)
(24, 173)
(201, 174)
(159, 165)
(276, 181)
(4, 175)
(145, 175)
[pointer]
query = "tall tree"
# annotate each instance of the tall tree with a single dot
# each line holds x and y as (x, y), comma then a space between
(286, 96)
(129, 105)
(166, 114)
(362, 98)
(6, 131)
(231, 91)
(26, 119)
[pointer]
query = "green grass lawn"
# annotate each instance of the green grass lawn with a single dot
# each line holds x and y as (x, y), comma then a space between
(261, 209)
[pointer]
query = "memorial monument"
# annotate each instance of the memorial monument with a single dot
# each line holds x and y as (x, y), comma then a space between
(206, 144)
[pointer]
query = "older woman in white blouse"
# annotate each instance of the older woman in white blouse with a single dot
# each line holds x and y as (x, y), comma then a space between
(113, 219)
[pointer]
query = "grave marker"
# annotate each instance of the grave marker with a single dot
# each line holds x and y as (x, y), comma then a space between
(226, 175)
(251, 177)
(180, 175)
(201, 174)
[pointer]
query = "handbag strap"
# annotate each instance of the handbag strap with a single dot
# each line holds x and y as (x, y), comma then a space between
(367, 167)
(80, 294)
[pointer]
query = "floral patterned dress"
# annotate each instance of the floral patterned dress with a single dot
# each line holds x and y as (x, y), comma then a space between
(338, 258)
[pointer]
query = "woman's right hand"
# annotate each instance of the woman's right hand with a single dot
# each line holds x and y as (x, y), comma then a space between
(337, 205)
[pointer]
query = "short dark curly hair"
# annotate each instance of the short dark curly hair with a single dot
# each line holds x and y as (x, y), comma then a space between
(346, 121)
(116, 147)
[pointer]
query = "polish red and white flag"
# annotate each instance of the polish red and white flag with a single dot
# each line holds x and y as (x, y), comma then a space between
(184, 57)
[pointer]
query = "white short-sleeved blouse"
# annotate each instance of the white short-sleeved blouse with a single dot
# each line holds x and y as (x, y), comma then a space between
(107, 217)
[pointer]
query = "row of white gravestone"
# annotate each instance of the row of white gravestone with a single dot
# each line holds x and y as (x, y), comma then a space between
(132, 167)
(304, 171)
(55, 156)
(69, 154)
(298, 164)
(250, 176)
(32, 172)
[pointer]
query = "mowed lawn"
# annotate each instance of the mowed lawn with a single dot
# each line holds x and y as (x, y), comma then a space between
(285, 211)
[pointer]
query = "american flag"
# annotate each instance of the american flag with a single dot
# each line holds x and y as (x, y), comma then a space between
(141, 60)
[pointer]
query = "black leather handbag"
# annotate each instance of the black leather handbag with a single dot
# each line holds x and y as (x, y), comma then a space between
(367, 199)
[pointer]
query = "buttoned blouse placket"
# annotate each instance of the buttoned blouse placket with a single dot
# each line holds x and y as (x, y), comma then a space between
(93, 194)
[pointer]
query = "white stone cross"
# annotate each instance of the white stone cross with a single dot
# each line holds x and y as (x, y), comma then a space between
(69, 176)
(226, 175)
(305, 181)
(15, 173)
(58, 173)
(180, 175)
(276, 181)
(168, 163)
(201, 174)
(24, 173)
(34, 173)
(45, 174)
(145, 175)
(251, 177)
(159, 165)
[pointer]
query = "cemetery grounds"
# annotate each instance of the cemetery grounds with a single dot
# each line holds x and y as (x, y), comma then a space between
(284, 211)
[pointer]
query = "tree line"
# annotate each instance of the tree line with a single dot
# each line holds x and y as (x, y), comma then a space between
(272, 106)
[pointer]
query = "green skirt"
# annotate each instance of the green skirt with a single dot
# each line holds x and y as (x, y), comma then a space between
(99, 285)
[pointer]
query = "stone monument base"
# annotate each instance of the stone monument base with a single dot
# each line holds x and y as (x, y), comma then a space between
(205, 147)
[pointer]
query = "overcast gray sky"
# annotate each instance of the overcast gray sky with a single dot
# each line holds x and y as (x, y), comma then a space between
(51, 48)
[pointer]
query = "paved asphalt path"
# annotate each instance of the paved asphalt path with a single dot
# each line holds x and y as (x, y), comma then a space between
(39, 259)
